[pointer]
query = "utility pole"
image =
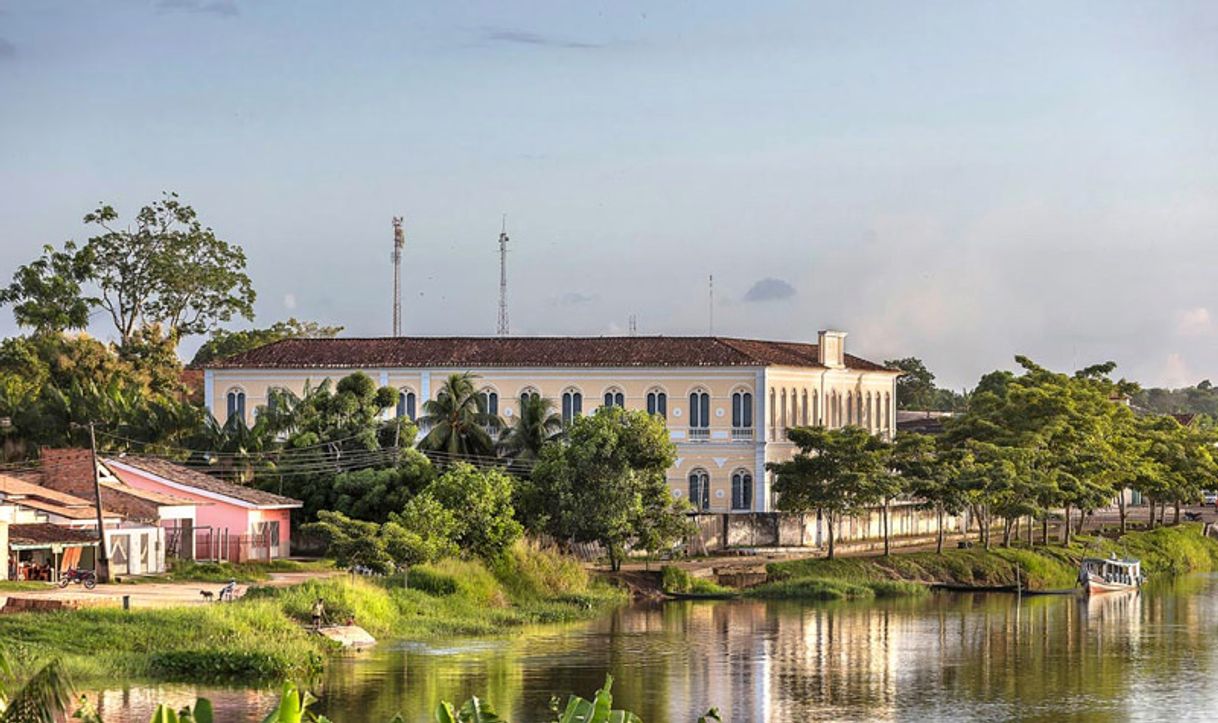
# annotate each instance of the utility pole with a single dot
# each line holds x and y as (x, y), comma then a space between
(399, 242)
(103, 557)
(502, 329)
(711, 303)
(632, 324)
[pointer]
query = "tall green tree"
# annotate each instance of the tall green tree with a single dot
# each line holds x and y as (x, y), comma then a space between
(225, 343)
(457, 421)
(537, 425)
(605, 482)
(481, 501)
(46, 293)
(930, 477)
(836, 472)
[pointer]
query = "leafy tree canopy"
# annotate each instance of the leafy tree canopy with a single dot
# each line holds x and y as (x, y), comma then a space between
(225, 343)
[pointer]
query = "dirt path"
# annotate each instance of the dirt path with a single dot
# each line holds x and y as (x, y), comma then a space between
(160, 594)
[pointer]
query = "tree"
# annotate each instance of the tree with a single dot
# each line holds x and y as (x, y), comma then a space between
(46, 293)
(458, 421)
(424, 531)
(916, 388)
(481, 502)
(40, 697)
(167, 269)
(929, 477)
(836, 472)
(537, 425)
(225, 343)
(605, 482)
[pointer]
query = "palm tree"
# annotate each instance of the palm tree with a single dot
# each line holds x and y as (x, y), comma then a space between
(43, 697)
(537, 424)
(457, 420)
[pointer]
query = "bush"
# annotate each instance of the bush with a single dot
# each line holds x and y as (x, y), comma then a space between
(528, 571)
(675, 579)
(430, 581)
(224, 664)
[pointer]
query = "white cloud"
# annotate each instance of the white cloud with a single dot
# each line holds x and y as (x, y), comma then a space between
(1176, 372)
(289, 301)
(1194, 322)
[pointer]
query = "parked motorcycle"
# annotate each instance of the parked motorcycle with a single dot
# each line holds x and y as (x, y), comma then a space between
(81, 577)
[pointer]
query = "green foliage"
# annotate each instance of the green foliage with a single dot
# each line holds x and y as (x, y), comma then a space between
(372, 494)
(837, 471)
(38, 697)
(530, 572)
(46, 293)
(916, 388)
(605, 482)
(225, 343)
(1199, 399)
(458, 421)
(676, 579)
(481, 504)
(537, 424)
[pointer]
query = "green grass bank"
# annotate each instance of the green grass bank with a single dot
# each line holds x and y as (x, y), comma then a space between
(263, 635)
(1165, 551)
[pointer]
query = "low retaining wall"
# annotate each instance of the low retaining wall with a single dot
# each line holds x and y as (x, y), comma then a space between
(46, 604)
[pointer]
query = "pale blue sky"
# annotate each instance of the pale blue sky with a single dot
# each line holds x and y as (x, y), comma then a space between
(958, 181)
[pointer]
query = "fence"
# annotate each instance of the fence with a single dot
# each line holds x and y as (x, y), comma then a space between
(218, 545)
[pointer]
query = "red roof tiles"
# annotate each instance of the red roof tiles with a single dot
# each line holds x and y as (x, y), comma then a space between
(522, 351)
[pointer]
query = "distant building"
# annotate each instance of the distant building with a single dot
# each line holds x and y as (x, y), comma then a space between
(922, 421)
(728, 402)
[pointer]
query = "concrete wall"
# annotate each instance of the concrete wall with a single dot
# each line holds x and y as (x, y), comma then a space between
(776, 529)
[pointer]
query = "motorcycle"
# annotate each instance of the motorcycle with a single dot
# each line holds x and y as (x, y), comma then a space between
(81, 577)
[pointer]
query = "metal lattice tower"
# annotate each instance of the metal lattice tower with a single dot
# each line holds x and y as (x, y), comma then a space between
(502, 329)
(711, 303)
(633, 324)
(399, 242)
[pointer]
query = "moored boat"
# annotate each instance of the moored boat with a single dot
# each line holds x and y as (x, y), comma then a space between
(1099, 575)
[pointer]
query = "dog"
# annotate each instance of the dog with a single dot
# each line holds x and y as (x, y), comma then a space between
(208, 595)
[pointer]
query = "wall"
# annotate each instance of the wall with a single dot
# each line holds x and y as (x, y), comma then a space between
(722, 453)
(774, 529)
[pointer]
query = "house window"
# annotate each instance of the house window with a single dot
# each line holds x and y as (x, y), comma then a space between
(526, 394)
(699, 410)
(699, 489)
(657, 403)
(236, 404)
(805, 408)
(742, 490)
(784, 409)
(742, 410)
(490, 402)
(572, 405)
(407, 403)
(615, 398)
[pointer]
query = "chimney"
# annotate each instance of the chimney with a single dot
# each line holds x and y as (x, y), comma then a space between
(69, 471)
(831, 348)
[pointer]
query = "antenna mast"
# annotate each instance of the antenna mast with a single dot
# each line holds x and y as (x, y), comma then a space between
(399, 242)
(633, 324)
(711, 303)
(502, 329)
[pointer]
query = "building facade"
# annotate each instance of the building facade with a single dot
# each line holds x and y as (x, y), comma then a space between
(727, 402)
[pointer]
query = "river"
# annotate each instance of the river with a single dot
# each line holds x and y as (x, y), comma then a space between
(948, 656)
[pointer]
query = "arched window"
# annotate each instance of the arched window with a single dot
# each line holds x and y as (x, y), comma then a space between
(742, 490)
(887, 412)
(572, 405)
(614, 398)
(804, 406)
(794, 408)
(858, 411)
(657, 403)
(699, 409)
(407, 402)
(742, 410)
(490, 401)
(528, 393)
(872, 408)
(849, 408)
(783, 396)
(816, 409)
(699, 489)
(773, 415)
(236, 403)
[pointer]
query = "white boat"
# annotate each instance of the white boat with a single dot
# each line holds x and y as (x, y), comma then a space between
(1098, 574)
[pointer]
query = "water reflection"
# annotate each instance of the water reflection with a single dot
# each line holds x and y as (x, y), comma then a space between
(948, 657)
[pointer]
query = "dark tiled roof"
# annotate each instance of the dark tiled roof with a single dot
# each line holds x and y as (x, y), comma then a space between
(185, 476)
(46, 533)
(535, 351)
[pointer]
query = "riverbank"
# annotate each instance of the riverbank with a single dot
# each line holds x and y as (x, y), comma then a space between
(1167, 551)
(264, 634)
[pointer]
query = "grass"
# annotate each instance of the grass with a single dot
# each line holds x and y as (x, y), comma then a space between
(222, 572)
(20, 585)
(1164, 552)
(263, 635)
(677, 580)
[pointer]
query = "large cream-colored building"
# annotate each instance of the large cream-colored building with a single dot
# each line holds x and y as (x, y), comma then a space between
(728, 402)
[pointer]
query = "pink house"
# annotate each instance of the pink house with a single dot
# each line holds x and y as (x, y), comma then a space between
(233, 522)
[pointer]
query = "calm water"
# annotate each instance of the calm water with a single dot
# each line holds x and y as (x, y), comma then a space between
(1147, 656)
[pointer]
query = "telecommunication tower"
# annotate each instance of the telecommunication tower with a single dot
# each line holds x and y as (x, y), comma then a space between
(502, 329)
(399, 242)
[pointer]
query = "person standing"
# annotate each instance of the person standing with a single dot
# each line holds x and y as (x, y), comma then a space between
(319, 611)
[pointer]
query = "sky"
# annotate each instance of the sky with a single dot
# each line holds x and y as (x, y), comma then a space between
(959, 181)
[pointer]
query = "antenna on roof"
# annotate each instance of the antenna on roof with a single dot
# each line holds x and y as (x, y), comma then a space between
(399, 241)
(632, 323)
(502, 329)
(711, 304)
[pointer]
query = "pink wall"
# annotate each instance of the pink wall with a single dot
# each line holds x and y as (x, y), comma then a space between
(214, 513)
